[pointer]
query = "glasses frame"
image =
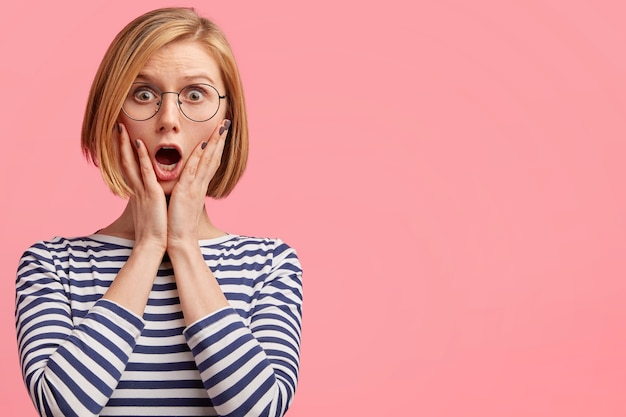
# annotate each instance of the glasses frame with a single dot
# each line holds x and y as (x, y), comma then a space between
(178, 102)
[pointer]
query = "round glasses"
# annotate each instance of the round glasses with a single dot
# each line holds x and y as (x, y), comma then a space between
(198, 102)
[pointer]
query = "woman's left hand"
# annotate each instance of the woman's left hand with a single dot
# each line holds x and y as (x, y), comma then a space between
(186, 205)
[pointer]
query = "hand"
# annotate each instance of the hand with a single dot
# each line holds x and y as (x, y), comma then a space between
(147, 203)
(186, 205)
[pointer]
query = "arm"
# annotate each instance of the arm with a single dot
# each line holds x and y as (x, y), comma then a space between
(73, 370)
(253, 371)
(68, 370)
(245, 371)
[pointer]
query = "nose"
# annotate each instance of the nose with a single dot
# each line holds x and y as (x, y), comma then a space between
(169, 113)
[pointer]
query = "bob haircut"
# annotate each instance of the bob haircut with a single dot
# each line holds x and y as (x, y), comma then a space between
(123, 61)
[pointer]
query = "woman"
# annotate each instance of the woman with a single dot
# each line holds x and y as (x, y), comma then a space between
(161, 312)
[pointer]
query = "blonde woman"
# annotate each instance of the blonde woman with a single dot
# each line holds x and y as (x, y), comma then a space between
(161, 312)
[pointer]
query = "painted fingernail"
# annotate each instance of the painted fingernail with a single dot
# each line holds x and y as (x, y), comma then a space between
(137, 143)
(119, 127)
(203, 145)
(225, 126)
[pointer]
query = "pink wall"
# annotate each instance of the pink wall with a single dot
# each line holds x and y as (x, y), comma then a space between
(450, 172)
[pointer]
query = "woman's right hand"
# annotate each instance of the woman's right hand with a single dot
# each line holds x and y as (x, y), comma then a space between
(148, 203)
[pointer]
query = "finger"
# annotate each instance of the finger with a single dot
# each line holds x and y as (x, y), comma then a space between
(211, 156)
(207, 155)
(136, 162)
(148, 175)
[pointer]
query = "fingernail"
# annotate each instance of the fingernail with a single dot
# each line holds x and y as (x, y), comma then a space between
(204, 144)
(224, 126)
(137, 143)
(119, 127)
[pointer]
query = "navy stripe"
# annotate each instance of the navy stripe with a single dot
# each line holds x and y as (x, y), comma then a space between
(161, 367)
(160, 384)
(162, 349)
(160, 402)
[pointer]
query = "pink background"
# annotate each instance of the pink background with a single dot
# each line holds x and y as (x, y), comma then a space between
(451, 174)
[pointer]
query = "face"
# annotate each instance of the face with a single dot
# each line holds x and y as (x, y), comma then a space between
(170, 136)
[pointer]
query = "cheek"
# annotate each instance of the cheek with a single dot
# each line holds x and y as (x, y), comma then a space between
(138, 130)
(131, 126)
(194, 135)
(224, 110)
(212, 126)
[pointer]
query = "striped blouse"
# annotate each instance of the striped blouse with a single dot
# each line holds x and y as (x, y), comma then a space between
(85, 356)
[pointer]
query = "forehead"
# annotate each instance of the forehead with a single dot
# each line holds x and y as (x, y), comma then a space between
(181, 62)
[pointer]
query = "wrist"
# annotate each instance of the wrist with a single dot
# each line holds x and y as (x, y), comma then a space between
(150, 247)
(175, 246)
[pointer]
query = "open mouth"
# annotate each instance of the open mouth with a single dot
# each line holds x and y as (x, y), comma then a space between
(167, 158)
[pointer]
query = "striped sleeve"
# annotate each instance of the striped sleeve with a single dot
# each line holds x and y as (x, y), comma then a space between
(253, 371)
(68, 370)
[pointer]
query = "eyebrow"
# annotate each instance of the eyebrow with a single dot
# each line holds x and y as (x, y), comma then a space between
(188, 78)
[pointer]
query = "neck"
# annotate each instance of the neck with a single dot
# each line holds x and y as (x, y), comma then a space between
(124, 226)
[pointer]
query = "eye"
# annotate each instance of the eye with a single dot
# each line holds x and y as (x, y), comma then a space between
(194, 94)
(144, 94)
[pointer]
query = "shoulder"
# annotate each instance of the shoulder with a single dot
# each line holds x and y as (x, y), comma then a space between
(273, 252)
(47, 249)
(268, 245)
(282, 256)
(40, 262)
(64, 244)
(61, 247)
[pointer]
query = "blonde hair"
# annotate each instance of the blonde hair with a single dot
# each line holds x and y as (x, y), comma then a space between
(123, 61)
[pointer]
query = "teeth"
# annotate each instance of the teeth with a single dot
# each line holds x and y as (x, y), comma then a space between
(166, 167)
